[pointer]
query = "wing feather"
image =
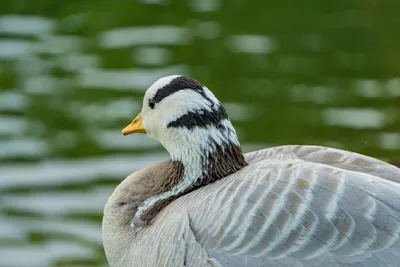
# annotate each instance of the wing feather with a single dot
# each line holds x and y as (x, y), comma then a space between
(303, 205)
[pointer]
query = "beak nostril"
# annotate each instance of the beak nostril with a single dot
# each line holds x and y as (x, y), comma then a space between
(135, 126)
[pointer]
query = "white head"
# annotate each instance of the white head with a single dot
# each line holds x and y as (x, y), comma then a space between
(185, 117)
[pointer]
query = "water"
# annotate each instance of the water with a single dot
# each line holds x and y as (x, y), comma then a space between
(72, 75)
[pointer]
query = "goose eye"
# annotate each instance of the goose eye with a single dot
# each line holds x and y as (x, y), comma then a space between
(151, 103)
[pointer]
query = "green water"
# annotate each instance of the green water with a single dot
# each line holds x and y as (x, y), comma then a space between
(73, 73)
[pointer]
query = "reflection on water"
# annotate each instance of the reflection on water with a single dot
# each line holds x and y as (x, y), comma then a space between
(125, 79)
(69, 85)
(155, 35)
(250, 44)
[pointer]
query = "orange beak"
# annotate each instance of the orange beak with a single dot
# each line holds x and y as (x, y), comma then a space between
(136, 126)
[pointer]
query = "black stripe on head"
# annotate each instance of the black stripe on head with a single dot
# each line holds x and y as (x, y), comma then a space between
(201, 118)
(180, 83)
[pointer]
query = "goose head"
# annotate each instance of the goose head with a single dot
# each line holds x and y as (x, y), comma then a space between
(182, 114)
(192, 125)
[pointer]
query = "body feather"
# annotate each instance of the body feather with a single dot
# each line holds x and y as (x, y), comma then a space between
(297, 206)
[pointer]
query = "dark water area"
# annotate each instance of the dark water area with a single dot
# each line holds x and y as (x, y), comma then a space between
(73, 74)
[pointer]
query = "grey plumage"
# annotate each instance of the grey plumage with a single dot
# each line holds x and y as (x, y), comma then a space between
(291, 206)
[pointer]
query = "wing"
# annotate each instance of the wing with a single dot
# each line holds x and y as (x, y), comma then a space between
(301, 206)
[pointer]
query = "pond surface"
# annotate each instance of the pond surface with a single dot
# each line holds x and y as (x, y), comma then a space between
(73, 74)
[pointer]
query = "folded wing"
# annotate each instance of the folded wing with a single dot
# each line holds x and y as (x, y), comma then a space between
(301, 206)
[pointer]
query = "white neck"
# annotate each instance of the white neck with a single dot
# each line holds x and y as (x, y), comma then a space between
(192, 148)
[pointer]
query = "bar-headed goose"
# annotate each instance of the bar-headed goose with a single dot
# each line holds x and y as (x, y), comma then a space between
(210, 205)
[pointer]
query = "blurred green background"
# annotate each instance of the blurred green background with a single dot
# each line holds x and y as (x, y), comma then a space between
(73, 74)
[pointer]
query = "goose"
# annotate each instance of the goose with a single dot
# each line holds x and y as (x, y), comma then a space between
(212, 205)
